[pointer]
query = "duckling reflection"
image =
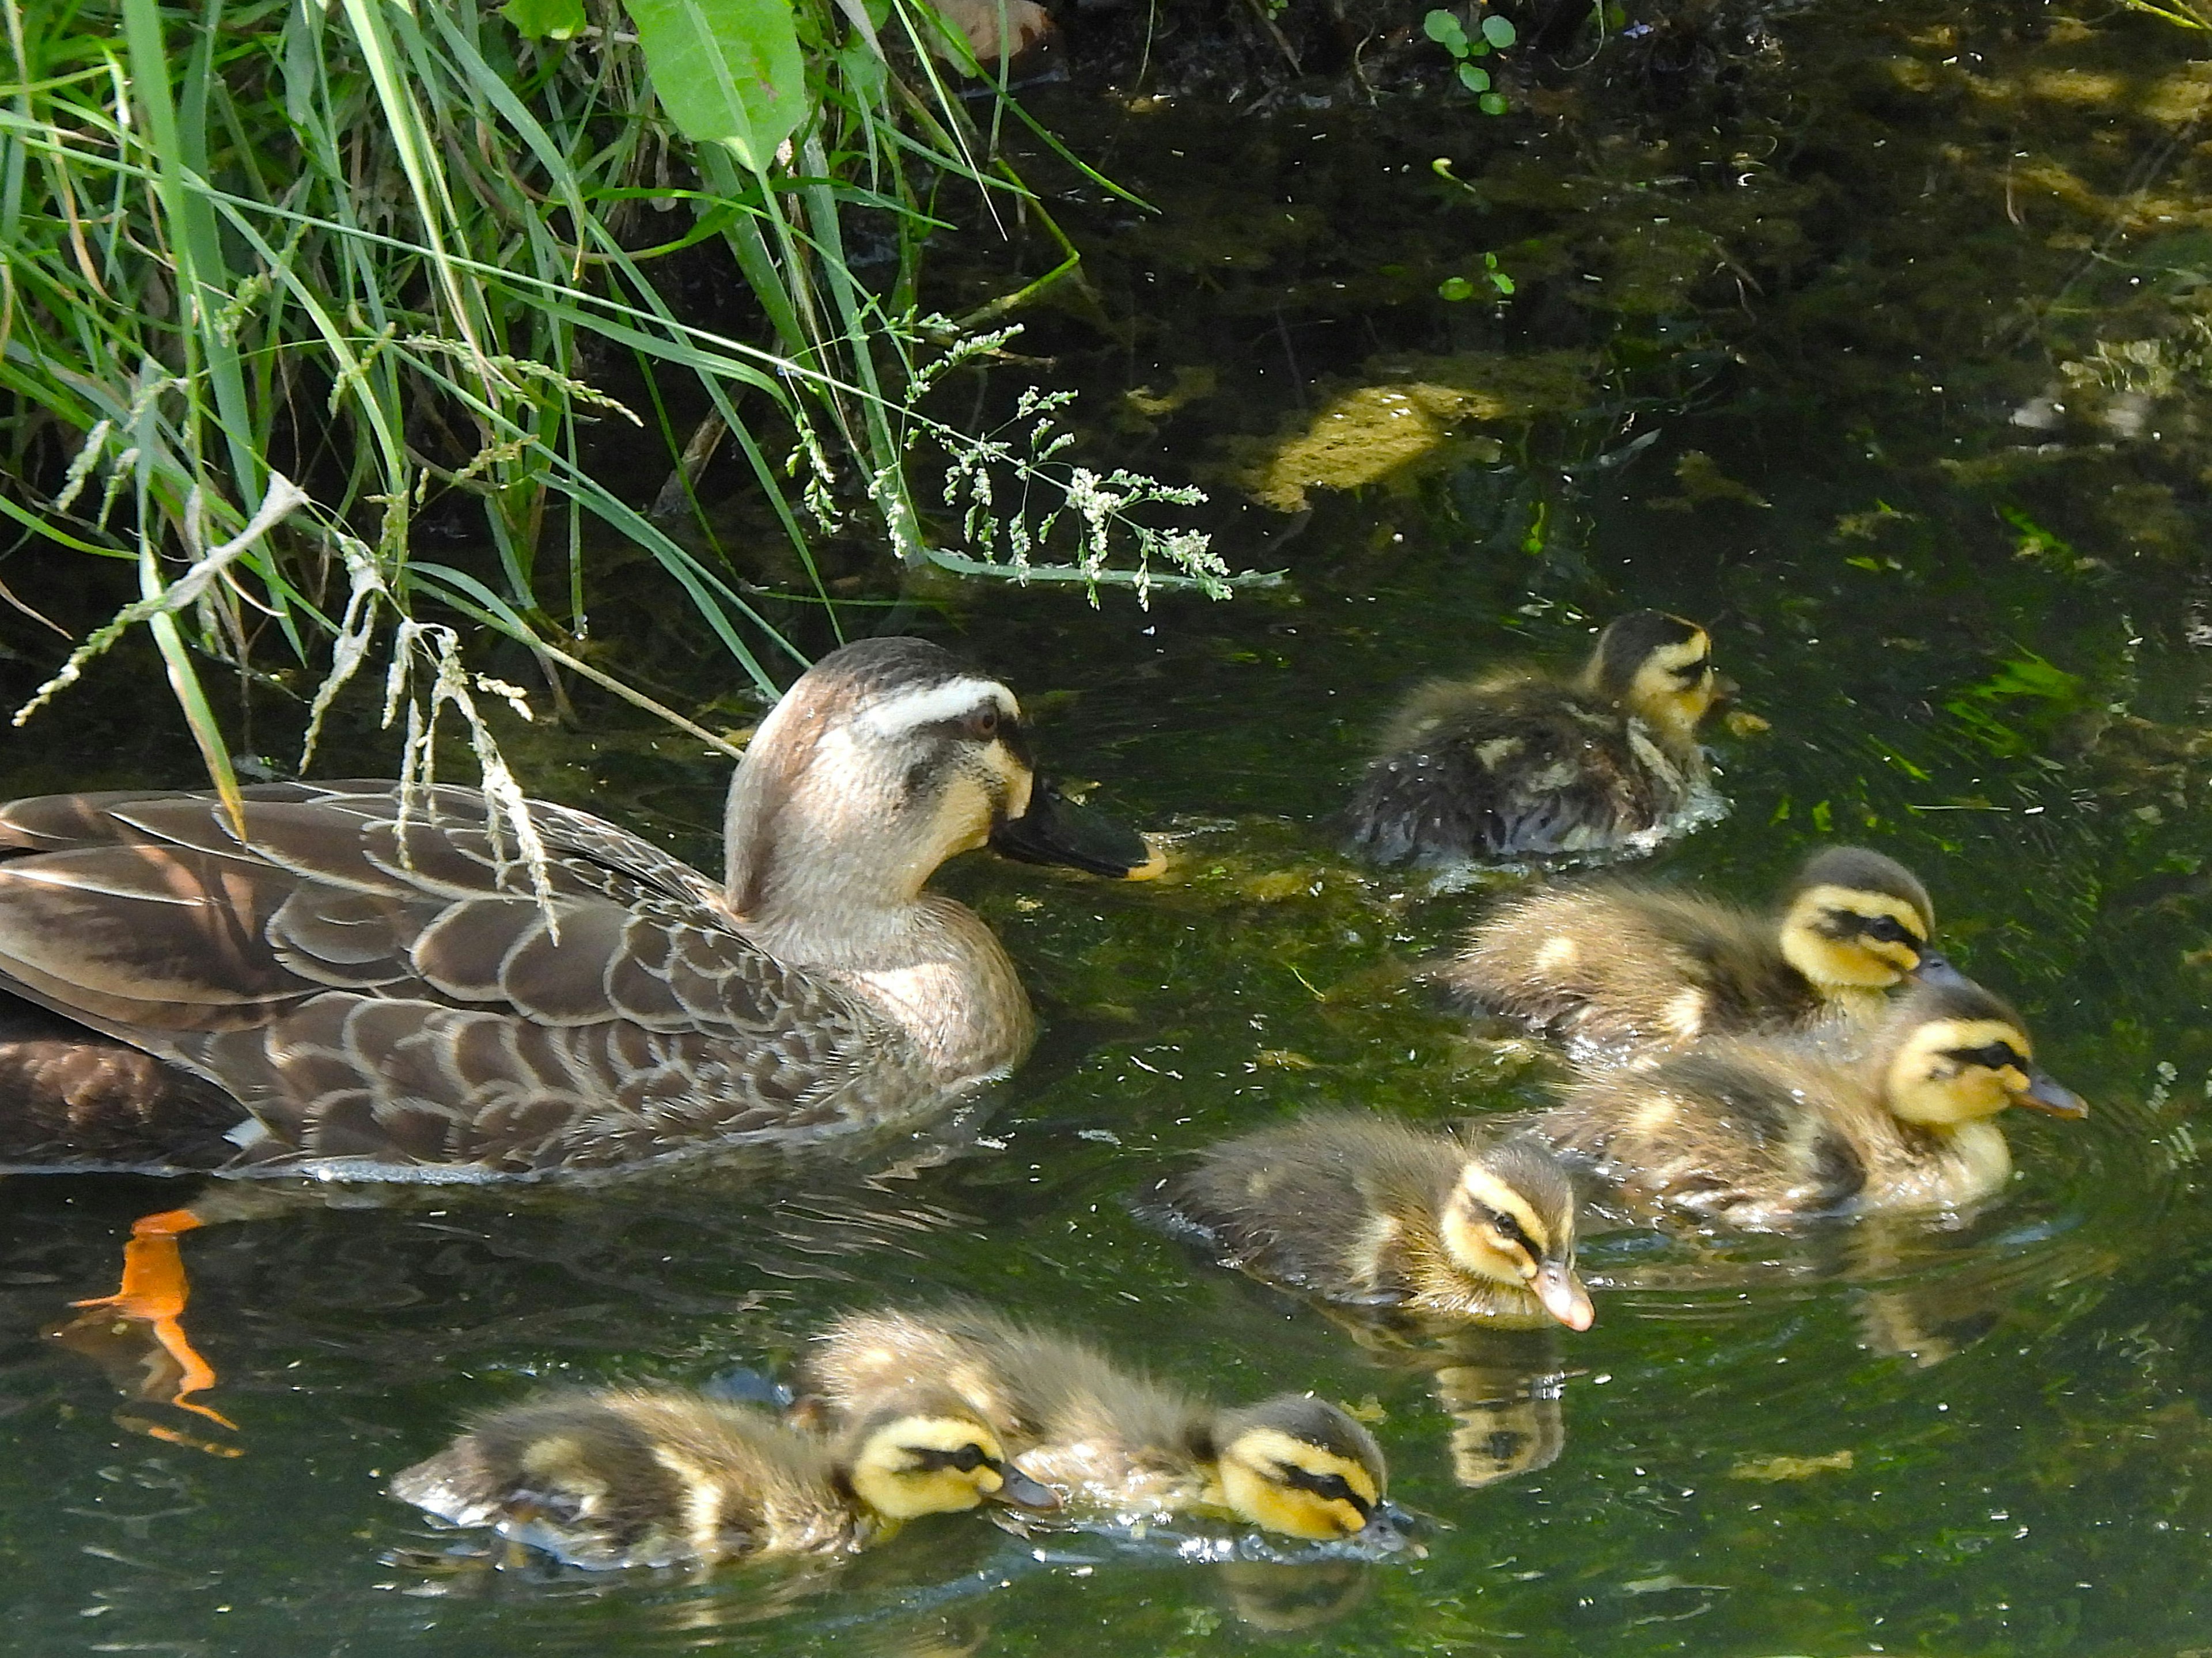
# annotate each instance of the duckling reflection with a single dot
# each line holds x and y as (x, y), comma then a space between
(1359, 1208)
(1523, 763)
(1120, 1448)
(1503, 1388)
(1762, 1132)
(1619, 970)
(656, 1477)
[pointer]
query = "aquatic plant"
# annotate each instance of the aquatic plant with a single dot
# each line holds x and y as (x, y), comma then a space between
(279, 284)
(1493, 33)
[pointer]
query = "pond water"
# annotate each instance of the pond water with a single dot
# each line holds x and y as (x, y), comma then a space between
(1875, 336)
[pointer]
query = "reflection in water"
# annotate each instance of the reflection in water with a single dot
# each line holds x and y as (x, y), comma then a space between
(1501, 1387)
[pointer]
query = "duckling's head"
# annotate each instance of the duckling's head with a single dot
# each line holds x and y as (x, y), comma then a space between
(1960, 1054)
(1659, 667)
(929, 1453)
(887, 757)
(1300, 1465)
(1510, 1218)
(1853, 919)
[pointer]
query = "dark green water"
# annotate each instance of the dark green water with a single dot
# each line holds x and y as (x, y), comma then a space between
(1836, 271)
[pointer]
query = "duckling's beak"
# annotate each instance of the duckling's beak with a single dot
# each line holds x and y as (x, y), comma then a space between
(1055, 830)
(2044, 1092)
(1017, 1490)
(1935, 969)
(1390, 1529)
(1725, 690)
(1561, 1292)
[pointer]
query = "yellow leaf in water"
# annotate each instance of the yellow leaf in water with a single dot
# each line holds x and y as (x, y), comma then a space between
(1775, 1468)
(1743, 722)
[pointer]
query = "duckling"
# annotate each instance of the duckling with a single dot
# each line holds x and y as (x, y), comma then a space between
(1521, 763)
(1621, 971)
(1356, 1207)
(655, 1477)
(1117, 1446)
(1760, 1131)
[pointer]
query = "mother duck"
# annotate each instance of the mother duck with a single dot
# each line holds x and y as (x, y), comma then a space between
(362, 981)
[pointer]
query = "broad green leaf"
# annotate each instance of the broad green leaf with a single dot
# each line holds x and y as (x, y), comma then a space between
(545, 19)
(1443, 28)
(1475, 77)
(1499, 32)
(1455, 287)
(726, 71)
(1492, 104)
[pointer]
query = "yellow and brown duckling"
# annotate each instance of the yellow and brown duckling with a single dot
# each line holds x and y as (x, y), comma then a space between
(1620, 970)
(1117, 1447)
(1521, 762)
(658, 1476)
(1761, 1132)
(1356, 1207)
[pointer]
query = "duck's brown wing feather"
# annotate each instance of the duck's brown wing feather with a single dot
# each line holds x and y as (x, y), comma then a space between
(375, 977)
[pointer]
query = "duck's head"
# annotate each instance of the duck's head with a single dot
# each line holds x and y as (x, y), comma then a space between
(1302, 1467)
(1853, 919)
(1510, 1218)
(1660, 668)
(1958, 1054)
(929, 1453)
(886, 758)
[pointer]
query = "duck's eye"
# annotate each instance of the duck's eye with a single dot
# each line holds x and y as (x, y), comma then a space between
(1888, 929)
(1690, 673)
(982, 725)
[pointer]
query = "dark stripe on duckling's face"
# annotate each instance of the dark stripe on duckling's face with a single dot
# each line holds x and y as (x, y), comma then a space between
(1330, 1487)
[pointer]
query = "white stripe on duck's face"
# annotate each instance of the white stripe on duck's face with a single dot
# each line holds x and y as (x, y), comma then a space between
(896, 717)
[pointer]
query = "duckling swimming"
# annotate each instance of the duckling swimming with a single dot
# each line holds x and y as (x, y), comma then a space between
(1521, 763)
(1357, 1207)
(1760, 1132)
(1118, 1446)
(1620, 970)
(658, 1476)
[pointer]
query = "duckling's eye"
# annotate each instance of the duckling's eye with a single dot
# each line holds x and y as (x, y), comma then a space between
(966, 1459)
(1690, 673)
(1329, 1487)
(1511, 1233)
(1995, 1057)
(1888, 929)
(982, 725)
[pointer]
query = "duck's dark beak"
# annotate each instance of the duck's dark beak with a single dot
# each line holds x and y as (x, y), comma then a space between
(1055, 830)
(1561, 1293)
(1017, 1490)
(2044, 1092)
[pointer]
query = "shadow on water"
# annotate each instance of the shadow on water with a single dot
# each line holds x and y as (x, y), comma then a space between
(1884, 351)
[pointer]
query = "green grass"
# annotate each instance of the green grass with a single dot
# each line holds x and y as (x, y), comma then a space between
(273, 277)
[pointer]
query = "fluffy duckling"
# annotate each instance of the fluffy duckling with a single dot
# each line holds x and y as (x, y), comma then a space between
(657, 1476)
(1623, 970)
(1760, 1132)
(1361, 1208)
(1114, 1444)
(1521, 762)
